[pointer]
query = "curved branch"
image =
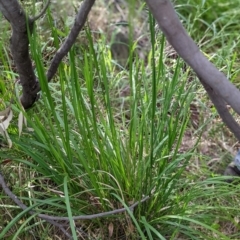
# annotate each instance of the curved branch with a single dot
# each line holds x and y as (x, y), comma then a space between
(218, 87)
(15, 14)
(66, 46)
(177, 36)
(23, 206)
(223, 111)
(32, 19)
(52, 219)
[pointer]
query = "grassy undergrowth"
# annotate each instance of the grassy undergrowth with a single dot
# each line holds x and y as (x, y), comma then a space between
(95, 148)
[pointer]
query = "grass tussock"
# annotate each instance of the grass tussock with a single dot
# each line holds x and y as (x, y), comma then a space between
(106, 136)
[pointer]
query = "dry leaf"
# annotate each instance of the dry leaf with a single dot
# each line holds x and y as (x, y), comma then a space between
(6, 136)
(5, 118)
(20, 123)
(22, 120)
(6, 161)
(5, 115)
(110, 229)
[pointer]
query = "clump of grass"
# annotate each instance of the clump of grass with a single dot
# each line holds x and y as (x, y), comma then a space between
(81, 159)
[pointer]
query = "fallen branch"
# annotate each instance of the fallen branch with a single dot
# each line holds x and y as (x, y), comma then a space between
(53, 219)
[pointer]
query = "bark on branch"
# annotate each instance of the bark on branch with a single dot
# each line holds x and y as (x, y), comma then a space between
(222, 109)
(15, 14)
(219, 88)
(79, 22)
(19, 45)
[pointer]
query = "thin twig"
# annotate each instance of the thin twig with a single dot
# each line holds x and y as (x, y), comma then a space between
(92, 216)
(32, 19)
(79, 22)
(52, 219)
